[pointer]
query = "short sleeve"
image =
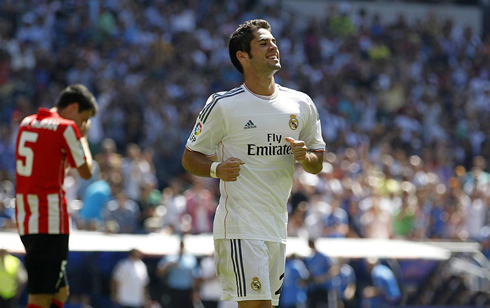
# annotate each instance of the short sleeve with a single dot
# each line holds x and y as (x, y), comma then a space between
(302, 270)
(311, 133)
(209, 128)
(72, 146)
(118, 273)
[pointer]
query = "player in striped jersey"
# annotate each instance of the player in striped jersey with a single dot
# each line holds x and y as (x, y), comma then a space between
(48, 142)
(256, 132)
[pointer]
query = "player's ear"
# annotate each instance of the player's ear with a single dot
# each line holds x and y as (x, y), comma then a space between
(241, 56)
(74, 107)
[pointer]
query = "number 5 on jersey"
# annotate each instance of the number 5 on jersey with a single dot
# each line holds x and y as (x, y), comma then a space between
(25, 169)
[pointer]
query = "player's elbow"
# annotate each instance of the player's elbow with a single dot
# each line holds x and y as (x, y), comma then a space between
(315, 169)
(187, 161)
(85, 172)
(86, 176)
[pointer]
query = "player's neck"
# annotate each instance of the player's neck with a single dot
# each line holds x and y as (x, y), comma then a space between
(261, 86)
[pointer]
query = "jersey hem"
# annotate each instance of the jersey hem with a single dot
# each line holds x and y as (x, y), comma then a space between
(42, 233)
(229, 298)
(248, 237)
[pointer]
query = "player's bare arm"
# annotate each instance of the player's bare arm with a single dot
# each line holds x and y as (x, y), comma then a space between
(85, 170)
(312, 162)
(199, 164)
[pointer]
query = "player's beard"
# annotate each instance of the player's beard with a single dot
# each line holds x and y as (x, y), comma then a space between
(272, 67)
(277, 66)
(267, 66)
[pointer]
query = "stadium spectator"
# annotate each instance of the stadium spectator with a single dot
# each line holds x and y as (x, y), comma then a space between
(336, 222)
(209, 286)
(180, 272)
(201, 206)
(95, 198)
(322, 270)
(129, 283)
(135, 170)
(108, 159)
(173, 207)
(121, 214)
(293, 292)
(7, 213)
(347, 284)
(384, 291)
(404, 217)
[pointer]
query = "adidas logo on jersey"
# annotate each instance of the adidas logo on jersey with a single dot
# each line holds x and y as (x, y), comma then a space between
(250, 125)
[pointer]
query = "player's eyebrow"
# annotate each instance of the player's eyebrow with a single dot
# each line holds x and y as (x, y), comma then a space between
(266, 39)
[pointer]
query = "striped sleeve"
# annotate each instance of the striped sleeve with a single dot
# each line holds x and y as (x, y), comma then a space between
(73, 147)
(210, 125)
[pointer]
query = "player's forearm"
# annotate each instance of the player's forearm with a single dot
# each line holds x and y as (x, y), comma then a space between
(197, 163)
(88, 154)
(313, 162)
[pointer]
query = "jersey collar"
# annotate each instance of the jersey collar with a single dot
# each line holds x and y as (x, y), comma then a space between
(45, 112)
(264, 97)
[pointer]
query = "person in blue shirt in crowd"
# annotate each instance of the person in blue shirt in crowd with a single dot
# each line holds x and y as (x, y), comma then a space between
(95, 197)
(336, 223)
(122, 212)
(180, 272)
(385, 291)
(293, 293)
(346, 283)
(322, 269)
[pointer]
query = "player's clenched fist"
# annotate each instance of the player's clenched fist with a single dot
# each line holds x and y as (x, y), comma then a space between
(299, 149)
(229, 170)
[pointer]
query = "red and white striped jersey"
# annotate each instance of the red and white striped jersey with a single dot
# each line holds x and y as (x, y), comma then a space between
(46, 142)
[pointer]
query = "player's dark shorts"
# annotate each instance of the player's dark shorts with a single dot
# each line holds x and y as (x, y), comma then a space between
(45, 261)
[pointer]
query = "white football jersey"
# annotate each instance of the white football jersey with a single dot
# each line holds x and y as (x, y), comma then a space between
(253, 128)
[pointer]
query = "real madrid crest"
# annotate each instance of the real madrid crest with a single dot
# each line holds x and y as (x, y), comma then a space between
(256, 285)
(293, 122)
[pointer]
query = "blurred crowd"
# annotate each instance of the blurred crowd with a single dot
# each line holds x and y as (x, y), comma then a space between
(404, 109)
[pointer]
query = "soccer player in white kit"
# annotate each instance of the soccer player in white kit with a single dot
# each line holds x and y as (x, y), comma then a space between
(256, 132)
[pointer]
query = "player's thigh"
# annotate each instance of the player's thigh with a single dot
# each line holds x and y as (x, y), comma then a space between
(277, 263)
(45, 262)
(255, 304)
(244, 268)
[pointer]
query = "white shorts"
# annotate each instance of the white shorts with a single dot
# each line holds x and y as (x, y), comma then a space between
(250, 269)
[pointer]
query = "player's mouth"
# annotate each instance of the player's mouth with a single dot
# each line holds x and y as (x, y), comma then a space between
(273, 56)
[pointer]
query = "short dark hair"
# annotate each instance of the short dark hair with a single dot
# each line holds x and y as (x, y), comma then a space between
(133, 252)
(77, 93)
(241, 38)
